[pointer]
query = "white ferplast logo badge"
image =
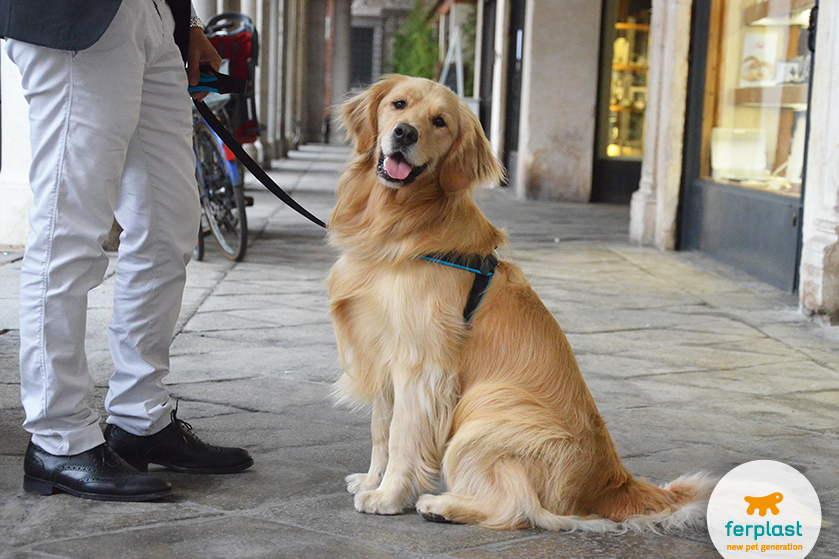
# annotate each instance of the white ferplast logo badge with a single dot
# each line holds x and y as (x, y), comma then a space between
(764, 509)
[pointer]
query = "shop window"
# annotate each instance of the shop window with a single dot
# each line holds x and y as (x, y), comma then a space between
(361, 56)
(628, 86)
(756, 94)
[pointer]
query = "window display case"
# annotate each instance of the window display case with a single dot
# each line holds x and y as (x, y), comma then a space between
(745, 135)
(628, 89)
(622, 100)
(756, 95)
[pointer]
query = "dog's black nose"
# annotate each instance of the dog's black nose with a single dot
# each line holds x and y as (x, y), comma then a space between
(405, 134)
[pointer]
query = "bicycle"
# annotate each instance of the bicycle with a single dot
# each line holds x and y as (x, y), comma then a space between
(220, 175)
(221, 189)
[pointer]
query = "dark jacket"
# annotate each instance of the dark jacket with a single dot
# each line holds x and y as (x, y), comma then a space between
(74, 24)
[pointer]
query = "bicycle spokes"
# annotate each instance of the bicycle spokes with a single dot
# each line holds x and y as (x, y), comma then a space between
(222, 199)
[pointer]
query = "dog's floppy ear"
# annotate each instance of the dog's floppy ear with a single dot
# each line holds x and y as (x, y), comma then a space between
(471, 161)
(359, 115)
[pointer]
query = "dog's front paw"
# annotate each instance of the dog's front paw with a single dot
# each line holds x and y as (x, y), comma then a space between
(356, 483)
(378, 502)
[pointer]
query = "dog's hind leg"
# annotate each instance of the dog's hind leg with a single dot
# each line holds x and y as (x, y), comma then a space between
(502, 497)
(499, 462)
(380, 428)
(494, 495)
(452, 507)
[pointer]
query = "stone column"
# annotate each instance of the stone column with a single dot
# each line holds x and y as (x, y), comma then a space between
(228, 6)
(15, 193)
(205, 9)
(560, 70)
(315, 33)
(340, 65)
(269, 92)
(249, 8)
(654, 207)
(479, 47)
(819, 273)
(643, 203)
(295, 56)
(499, 77)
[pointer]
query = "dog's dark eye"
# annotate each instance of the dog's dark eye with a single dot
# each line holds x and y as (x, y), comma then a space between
(400, 104)
(439, 122)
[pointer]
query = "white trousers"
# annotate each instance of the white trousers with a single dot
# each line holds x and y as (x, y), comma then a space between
(111, 136)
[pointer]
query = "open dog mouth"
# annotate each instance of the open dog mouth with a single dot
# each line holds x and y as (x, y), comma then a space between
(395, 168)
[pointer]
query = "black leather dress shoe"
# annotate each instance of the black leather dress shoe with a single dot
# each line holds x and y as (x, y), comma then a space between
(96, 474)
(177, 448)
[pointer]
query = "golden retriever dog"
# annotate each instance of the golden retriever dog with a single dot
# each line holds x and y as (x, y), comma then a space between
(495, 405)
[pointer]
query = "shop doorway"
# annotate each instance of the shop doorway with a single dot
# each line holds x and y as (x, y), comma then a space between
(514, 79)
(487, 64)
(746, 133)
(622, 100)
(361, 56)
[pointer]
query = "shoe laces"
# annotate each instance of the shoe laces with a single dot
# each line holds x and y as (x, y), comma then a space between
(182, 423)
(186, 431)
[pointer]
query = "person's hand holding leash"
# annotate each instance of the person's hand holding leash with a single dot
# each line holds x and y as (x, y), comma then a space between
(201, 53)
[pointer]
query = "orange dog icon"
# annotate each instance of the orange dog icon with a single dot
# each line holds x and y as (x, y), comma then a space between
(769, 502)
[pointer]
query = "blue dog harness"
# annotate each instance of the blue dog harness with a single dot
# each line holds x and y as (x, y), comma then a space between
(483, 268)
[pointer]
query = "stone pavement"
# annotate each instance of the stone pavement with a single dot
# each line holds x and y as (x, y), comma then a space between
(693, 365)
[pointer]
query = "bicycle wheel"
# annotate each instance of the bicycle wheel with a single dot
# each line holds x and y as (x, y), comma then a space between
(198, 251)
(223, 202)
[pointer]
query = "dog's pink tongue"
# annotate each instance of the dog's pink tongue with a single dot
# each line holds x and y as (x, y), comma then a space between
(398, 170)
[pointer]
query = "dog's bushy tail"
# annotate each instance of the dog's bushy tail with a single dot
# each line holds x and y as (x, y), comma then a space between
(641, 507)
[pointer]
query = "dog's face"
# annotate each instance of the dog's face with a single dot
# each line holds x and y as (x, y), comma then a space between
(418, 131)
(417, 125)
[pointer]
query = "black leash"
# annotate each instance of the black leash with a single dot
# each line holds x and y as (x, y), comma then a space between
(252, 165)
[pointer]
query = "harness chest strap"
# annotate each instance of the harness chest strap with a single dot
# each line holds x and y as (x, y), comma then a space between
(482, 266)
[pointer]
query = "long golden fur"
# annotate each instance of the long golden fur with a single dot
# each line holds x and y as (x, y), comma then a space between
(498, 406)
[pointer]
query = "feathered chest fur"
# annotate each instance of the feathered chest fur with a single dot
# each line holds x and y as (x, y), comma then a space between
(411, 311)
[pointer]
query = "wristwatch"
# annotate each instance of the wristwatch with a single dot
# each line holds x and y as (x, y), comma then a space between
(195, 21)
